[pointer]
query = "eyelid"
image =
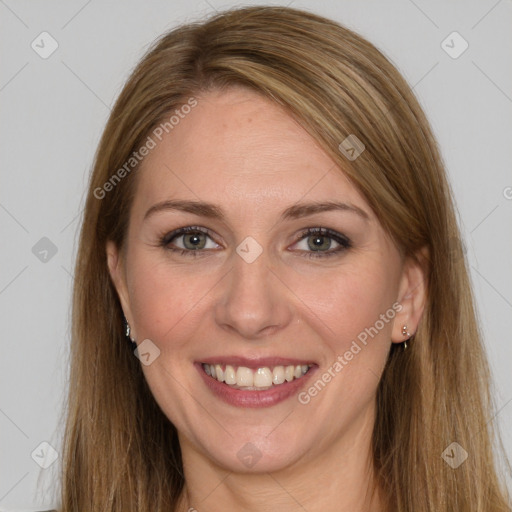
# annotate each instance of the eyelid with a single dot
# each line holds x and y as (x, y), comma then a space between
(342, 240)
(331, 233)
(166, 239)
(344, 243)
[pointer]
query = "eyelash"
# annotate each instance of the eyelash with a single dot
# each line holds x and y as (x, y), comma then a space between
(343, 241)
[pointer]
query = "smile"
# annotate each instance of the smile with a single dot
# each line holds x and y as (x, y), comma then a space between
(258, 379)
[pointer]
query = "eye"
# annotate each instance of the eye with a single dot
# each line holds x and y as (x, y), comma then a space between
(315, 242)
(188, 240)
(322, 242)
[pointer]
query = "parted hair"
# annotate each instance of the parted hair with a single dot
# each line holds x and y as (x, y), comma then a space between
(121, 453)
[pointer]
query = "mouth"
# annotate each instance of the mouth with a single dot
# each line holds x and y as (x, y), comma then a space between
(255, 383)
(258, 379)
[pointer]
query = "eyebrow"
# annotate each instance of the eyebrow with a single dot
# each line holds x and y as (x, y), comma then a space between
(295, 211)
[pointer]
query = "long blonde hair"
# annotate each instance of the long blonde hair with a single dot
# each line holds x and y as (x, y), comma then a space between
(121, 452)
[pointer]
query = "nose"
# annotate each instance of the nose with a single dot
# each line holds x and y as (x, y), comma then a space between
(253, 301)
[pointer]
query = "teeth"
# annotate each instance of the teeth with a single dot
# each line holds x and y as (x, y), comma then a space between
(242, 377)
(289, 373)
(278, 375)
(263, 378)
(229, 375)
(219, 373)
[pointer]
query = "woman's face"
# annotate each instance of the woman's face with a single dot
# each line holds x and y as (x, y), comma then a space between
(250, 291)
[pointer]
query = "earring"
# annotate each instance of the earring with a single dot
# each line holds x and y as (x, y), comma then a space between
(128, 331)
(406, 333)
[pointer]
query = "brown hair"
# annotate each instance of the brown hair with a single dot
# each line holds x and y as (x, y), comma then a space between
(121, 452)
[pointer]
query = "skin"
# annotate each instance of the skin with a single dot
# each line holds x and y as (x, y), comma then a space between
(243, 153)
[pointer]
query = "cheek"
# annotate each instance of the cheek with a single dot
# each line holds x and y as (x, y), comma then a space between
(165, 299)
(349, 301)
(353, 312)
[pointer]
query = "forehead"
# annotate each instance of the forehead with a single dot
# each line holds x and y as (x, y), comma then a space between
(239, 149)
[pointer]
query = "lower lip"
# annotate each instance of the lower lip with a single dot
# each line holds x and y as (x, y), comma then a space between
(254, 399)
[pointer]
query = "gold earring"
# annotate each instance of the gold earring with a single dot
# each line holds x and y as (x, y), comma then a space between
(407, 334)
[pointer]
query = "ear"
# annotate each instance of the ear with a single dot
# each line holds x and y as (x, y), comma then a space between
(412, 296)
(118, 275)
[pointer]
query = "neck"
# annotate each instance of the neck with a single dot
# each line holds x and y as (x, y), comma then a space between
(338, 479)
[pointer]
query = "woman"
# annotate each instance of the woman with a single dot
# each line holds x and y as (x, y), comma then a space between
(270, 227)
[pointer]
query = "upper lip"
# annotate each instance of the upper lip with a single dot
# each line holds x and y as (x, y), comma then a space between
(256, 362)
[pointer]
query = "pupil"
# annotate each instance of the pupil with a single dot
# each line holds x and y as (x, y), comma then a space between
(319, 242)
(194, 241)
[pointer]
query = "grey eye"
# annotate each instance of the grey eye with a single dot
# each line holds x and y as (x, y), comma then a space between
(319, 242)
(194, 241)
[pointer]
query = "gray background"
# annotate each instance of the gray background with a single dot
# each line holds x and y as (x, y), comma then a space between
(53, 113)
